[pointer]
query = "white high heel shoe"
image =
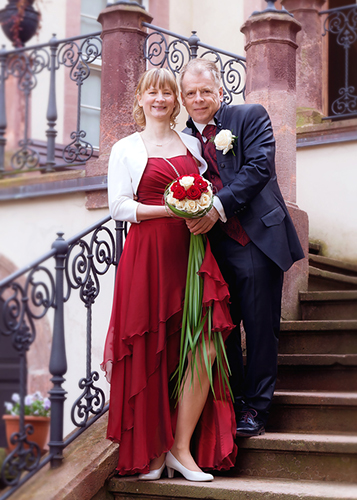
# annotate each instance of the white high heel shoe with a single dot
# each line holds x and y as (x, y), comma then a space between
(173, 464)
(153, 474)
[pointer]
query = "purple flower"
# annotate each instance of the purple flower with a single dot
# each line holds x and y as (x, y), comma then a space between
(29, 400)
(8, 406)
(15, 397)
(46, 404)
(38, 396)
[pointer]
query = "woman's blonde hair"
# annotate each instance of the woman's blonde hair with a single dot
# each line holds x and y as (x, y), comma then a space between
(162, 78)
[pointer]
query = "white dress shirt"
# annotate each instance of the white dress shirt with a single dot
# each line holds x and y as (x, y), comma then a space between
(216, 201)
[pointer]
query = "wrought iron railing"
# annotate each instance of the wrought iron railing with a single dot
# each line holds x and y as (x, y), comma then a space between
(342, 24)
(25, 64)
(164, 48)
(27, 296)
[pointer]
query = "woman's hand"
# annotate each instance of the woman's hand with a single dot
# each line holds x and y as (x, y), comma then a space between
(108, 368)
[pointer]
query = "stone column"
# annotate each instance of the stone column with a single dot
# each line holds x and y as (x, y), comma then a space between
(122, 64)
(271, 81)
(309, 77)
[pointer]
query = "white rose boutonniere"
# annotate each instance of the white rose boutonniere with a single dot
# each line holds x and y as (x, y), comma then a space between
(224, 141)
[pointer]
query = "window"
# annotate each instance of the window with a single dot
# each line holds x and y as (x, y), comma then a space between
(90, 100)
(342, 60)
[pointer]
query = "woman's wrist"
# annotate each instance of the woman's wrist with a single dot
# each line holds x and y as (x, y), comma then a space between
(168, 212)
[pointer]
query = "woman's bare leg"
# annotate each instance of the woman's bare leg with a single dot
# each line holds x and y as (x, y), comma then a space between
(191, 404)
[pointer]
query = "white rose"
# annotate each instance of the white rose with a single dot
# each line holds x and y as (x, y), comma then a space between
(187, 181)
(180, 204)
(224, 141)
(205, 200)
(170, 199)
(191, 206)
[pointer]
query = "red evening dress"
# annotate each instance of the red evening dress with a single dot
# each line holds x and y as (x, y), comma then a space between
(144, 334)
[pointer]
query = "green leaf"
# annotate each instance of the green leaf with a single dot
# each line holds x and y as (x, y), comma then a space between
(194, 323)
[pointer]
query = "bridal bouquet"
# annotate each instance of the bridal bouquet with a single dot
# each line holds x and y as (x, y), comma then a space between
(191, 196)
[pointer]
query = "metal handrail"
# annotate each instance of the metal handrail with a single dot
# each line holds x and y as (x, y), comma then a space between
(24, 65)
(199, 43)
(176, 53)
(79, 265)
(4, 51)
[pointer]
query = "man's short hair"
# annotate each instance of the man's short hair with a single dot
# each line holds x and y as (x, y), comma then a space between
(198, 66)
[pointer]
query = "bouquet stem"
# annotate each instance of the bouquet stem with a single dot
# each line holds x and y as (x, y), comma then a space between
(196, 329)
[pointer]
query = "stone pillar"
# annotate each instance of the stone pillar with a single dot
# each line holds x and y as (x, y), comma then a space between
(15, 115)
(122, 65)
(271, 81)
(309, 77)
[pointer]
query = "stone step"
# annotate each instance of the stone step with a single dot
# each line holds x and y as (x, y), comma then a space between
(339, 304)
(313, 412)
(333, 265)
(228, 488)
(319, 372)
(318, 337)
(314, 457)
(314, 248)
(320, 279)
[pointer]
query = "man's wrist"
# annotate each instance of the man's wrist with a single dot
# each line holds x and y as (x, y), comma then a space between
(217, 204)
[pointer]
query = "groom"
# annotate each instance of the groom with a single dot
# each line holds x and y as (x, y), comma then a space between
(251, 233)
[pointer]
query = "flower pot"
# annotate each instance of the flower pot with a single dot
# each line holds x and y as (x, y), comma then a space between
(19, 28)
(41, 426)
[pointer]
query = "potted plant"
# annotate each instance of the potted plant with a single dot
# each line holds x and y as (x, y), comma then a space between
(37, 411)
(20, 21)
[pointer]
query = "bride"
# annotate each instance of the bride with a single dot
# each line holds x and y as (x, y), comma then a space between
(142, 345)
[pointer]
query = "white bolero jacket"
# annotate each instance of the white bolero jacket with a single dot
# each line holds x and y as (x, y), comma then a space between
(127, 163)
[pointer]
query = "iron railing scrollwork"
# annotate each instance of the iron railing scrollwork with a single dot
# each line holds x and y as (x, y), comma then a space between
(27, 296)
(24, 65)
(85, 263)
(78, 58)
(22, 305)
(342, 23)
(163, 48)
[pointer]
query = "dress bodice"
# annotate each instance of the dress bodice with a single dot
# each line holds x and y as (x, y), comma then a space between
(159, 173)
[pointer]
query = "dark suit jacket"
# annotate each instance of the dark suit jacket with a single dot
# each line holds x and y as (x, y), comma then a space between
(250, 188)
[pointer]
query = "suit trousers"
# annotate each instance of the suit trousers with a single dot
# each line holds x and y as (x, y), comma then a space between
(255, 284)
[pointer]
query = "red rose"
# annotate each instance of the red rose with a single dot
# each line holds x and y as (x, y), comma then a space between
(174, 186)
(193, 193)
(179, 192)
(201, 184)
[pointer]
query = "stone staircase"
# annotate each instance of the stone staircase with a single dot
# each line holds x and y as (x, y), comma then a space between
(310, 448)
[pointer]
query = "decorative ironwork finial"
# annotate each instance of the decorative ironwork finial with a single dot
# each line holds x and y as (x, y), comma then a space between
(138, 3)
(271, 8)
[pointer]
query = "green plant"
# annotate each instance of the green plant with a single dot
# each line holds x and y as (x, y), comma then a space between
(35, 404)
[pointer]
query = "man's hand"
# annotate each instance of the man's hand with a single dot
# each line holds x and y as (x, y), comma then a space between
(203, 224)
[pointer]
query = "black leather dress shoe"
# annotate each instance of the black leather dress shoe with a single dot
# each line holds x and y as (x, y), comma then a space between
(249, 424)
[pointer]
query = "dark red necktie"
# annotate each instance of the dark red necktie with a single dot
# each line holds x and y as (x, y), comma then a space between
(232, 227)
